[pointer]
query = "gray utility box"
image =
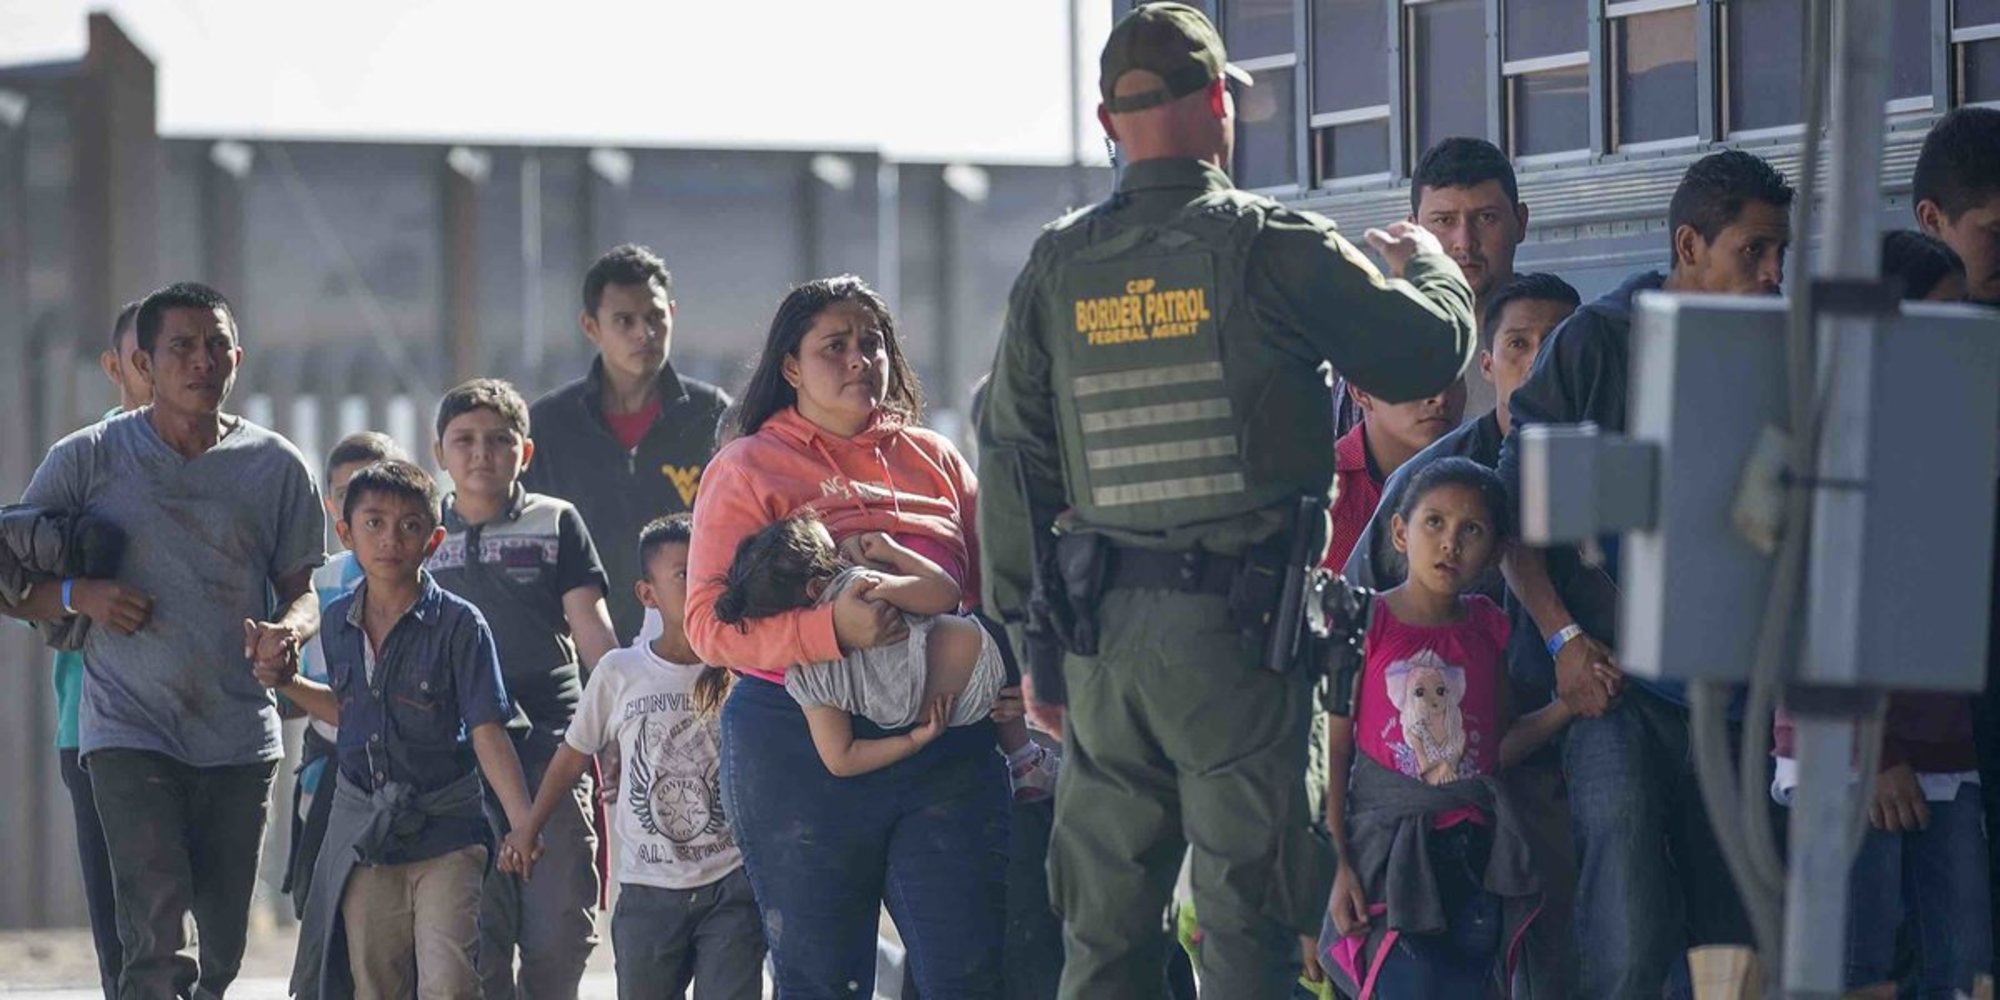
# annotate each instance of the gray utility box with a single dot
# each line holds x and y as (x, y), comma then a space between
(1708, 378)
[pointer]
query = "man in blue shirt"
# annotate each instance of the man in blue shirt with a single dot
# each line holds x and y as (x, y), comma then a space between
(1652, 881)
(416, 693)
(312, 795)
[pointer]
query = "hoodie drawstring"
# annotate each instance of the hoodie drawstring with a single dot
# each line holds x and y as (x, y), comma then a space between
(853, 495)
(895, 495)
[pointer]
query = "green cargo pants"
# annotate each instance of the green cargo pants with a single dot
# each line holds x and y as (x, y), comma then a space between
(1176, 736)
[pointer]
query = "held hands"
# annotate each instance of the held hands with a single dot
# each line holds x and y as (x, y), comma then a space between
(1898, 806)
(111, 604)
(519, 852)
(273, 652)
(1587, 676)
(861, 622)
(1347, 906)
(1400, 241)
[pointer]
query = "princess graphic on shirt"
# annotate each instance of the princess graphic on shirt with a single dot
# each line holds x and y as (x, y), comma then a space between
(1432, 720)
(1428, 694)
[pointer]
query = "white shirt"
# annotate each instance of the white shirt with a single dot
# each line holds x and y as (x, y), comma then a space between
(671, 831)
(1940, 786)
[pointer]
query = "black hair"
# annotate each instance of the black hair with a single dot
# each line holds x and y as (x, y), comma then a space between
(1960, 163)
(393, 477)
(180, 295)
(625, 264)
(673, 529)
(1461, 161)
(768, 392)
(712, 685)
(1920, 260)
(128, 319)
(1713, 192)
(774, 570)
(362, 446)
(1539, 286)
(1456, 471)
(498, 395)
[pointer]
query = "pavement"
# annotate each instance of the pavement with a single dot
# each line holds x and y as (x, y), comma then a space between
(62, 965)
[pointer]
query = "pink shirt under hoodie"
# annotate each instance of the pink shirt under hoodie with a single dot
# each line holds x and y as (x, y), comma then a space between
(907, 481)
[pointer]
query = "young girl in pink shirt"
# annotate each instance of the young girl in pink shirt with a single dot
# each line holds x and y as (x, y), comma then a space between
(1436, 880)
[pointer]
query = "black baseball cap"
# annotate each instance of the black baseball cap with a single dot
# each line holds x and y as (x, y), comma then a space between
(1173, 40)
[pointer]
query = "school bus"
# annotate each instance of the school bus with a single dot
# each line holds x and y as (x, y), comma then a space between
(1602, 104)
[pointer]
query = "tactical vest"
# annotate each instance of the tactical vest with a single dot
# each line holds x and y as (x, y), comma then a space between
(1158, 362)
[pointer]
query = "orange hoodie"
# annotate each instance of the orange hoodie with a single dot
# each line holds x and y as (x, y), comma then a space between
(906, 481)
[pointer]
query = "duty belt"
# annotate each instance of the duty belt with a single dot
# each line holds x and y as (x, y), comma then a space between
(1192, 571)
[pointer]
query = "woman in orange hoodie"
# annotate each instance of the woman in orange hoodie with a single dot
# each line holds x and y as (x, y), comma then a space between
(827, 424)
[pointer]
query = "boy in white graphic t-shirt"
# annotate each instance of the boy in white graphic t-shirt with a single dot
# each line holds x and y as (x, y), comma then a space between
(685, 911)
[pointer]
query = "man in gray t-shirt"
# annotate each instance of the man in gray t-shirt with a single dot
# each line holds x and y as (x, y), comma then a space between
(223, 529)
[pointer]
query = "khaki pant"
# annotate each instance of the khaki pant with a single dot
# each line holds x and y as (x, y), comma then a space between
(413, 930)
(1178, 738)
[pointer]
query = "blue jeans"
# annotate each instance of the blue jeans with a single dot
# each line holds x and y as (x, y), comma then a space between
(1933, 882)
(1652, 882)
(96, 872)
(1456, 963)
(1034, 946)
(1459, 961)
(927, 835)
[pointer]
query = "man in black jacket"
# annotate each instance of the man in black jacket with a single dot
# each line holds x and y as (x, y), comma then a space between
(1652, 880)
(627, 442)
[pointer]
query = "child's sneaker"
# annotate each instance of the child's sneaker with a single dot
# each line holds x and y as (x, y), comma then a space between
(1032, 769)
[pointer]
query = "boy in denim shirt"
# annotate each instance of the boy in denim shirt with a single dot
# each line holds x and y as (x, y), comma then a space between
(416, 691)
(312, 795)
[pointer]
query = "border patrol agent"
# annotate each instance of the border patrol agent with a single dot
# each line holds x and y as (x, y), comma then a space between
(1160, 403)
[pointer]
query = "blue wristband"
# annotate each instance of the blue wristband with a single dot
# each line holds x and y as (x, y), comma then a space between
(68, 585)
(1562, 637)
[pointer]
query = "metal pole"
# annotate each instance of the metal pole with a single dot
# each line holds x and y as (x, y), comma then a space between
(1823, 815)
(1827, 802)
(534, 340)
(1075, 85)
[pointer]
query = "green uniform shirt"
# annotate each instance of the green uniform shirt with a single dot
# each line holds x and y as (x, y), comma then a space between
(1272, 310)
